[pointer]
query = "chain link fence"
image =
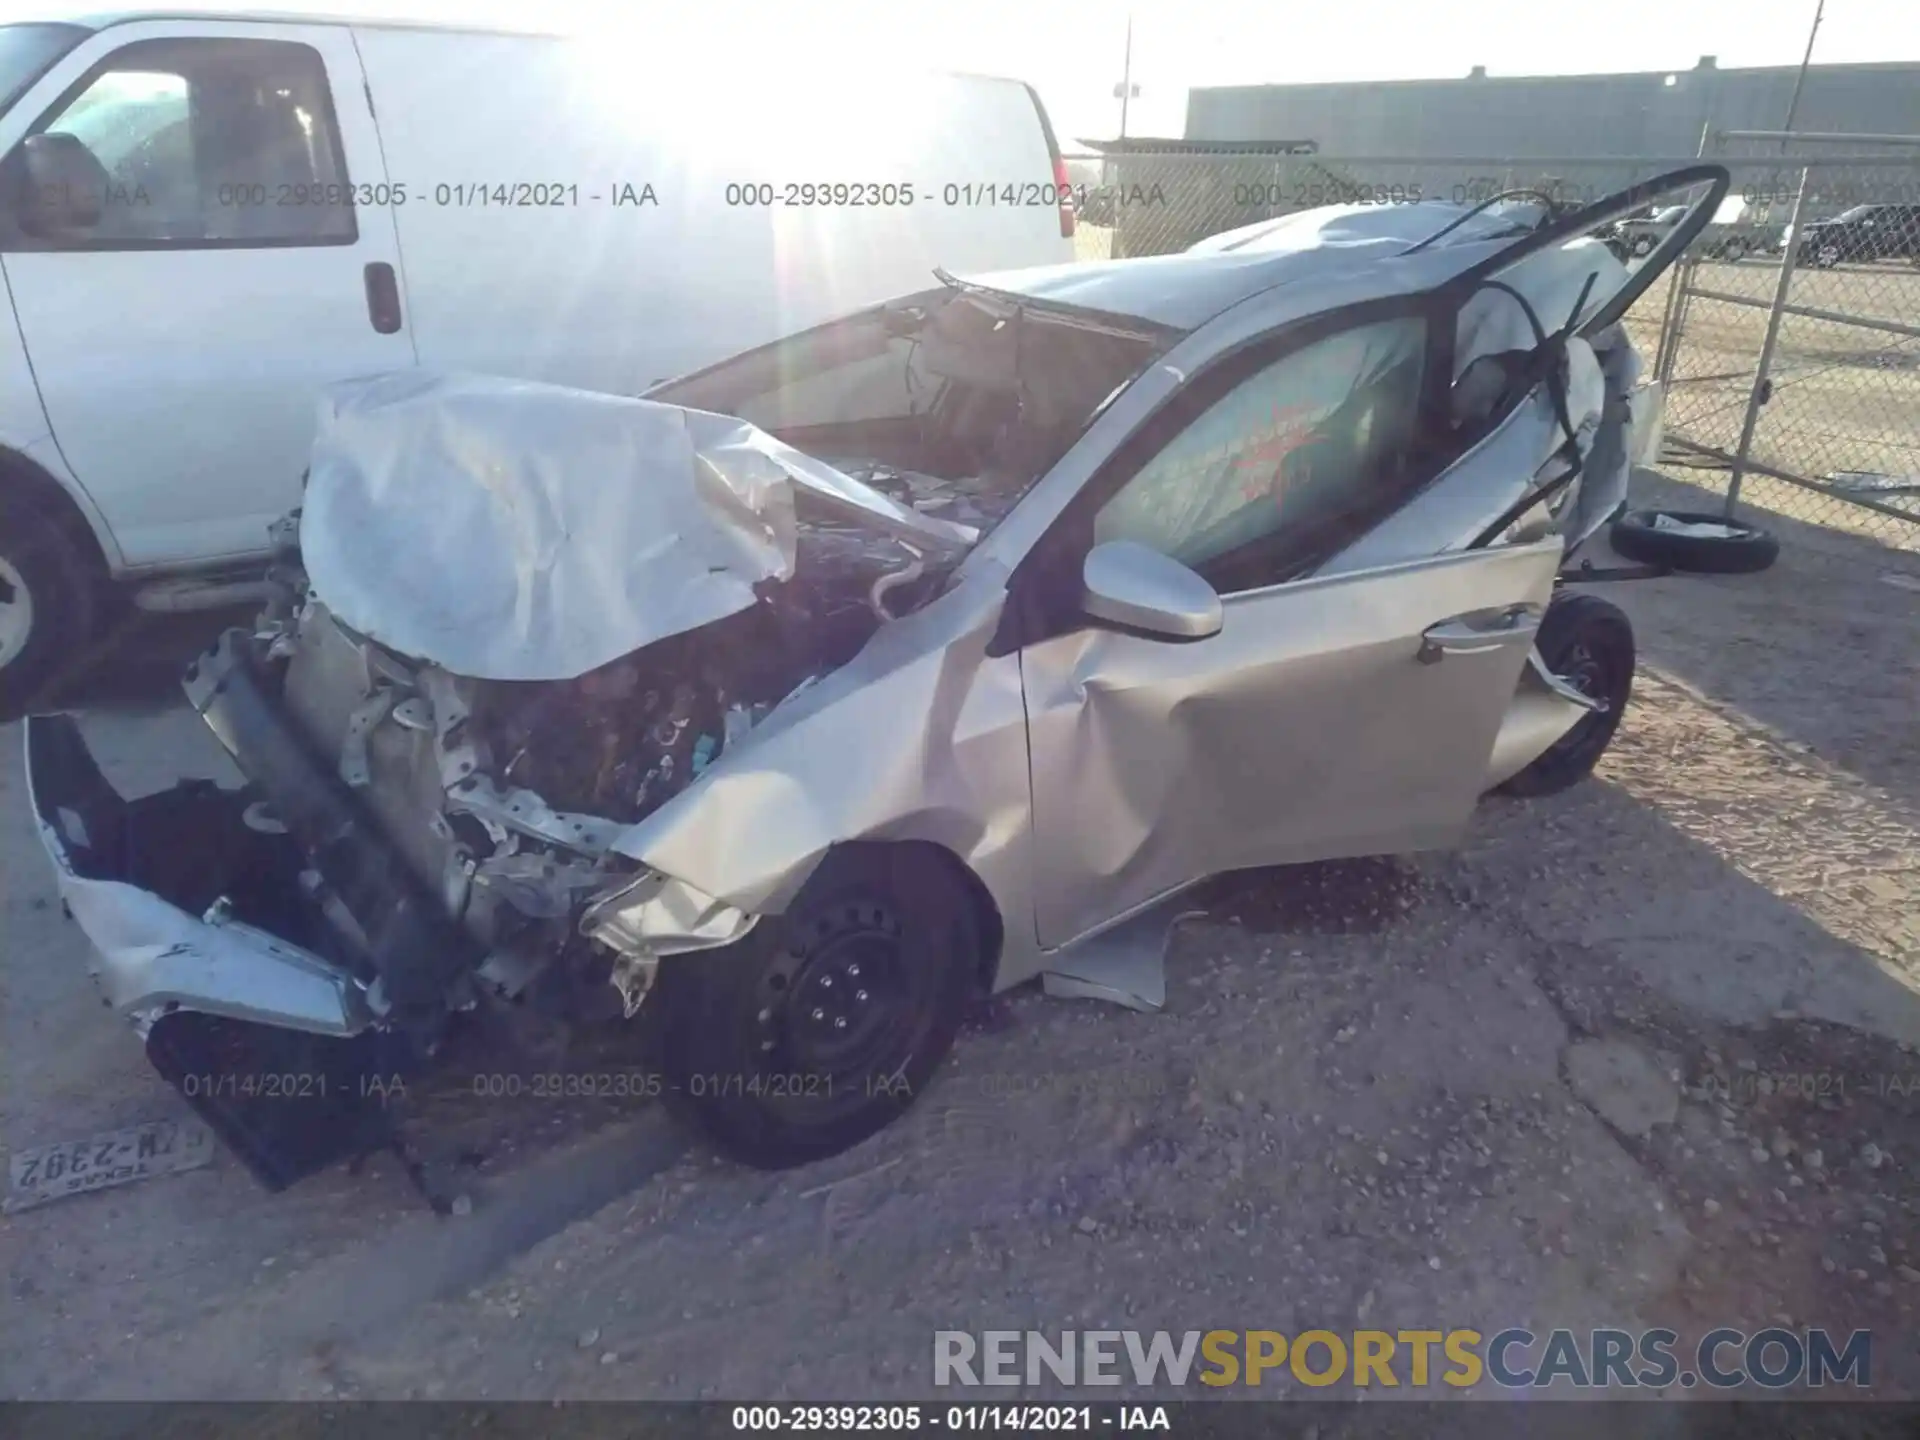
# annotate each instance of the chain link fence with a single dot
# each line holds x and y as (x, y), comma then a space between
(1789, 343)
(1794, 380)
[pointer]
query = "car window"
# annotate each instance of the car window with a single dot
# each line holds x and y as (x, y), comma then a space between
(1292, 460)
(192, 142)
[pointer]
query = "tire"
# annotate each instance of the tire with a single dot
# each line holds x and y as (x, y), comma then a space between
(1734, 251)
(49, 595)
(1643, 245)
(1744, 551)
(1587, 642)
(741, 1037)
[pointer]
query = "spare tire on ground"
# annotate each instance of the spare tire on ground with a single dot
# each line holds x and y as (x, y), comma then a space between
(1691, 540)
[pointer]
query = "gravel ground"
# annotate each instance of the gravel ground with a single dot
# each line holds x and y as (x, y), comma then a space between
(1640, 1054)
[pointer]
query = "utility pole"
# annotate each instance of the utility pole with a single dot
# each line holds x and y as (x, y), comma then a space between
(1800, 80)
(1126, 89)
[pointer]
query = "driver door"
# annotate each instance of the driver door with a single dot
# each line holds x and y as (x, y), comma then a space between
(1346, 715)
(233, 268)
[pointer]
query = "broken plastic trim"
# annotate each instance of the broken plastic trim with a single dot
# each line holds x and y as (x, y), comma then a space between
(654, 915)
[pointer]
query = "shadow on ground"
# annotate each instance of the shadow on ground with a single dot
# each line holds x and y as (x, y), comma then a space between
(1822, 649)
(137, 665)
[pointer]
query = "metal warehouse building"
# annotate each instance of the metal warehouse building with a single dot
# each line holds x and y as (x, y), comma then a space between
(1655, 114)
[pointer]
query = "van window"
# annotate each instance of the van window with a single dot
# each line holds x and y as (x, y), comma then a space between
(196, 143)
(28, 51)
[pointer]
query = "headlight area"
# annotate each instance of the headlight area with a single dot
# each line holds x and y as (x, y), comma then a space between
(651, 915)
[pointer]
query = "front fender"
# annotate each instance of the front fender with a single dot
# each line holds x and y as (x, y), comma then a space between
(921, 737)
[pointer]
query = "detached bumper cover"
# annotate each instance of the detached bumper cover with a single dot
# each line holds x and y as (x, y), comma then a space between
(124, 872)
(404, 934)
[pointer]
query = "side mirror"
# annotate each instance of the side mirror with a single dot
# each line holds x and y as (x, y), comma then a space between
(1137, 588)
(65, 186)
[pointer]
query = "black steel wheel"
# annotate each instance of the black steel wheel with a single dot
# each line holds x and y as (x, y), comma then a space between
(823, 1024)
(1587, 642)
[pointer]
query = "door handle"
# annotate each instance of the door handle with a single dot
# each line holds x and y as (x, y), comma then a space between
(1464, 636)
(383, 297)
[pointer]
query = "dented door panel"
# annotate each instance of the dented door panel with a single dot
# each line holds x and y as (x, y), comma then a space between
(1308, 728)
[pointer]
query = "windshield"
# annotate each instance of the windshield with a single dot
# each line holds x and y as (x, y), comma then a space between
(25, 53)
(1858, 212)
(949, 402)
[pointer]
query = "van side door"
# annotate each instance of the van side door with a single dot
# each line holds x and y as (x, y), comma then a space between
(197, 234)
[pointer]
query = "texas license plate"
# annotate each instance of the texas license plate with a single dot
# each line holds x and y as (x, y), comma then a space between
(119, 1157)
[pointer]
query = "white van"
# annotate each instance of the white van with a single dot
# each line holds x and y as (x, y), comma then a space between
(205, 220)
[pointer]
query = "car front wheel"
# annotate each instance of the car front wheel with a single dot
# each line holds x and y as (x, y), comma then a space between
(824, 1023)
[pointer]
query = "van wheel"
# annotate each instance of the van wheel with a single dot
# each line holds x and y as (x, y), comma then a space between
(1587, 642)
(823, 1024)
(48, 590)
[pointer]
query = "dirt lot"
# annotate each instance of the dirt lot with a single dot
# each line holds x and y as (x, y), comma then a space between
(1641, 1054)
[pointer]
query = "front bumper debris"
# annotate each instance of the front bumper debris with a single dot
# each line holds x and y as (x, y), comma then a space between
(147, 881)
(204, 938)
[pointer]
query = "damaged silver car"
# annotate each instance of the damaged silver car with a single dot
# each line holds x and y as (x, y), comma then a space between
(781, 712)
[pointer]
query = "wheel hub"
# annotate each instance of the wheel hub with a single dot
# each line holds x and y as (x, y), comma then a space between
(833, 998)
(16, 612)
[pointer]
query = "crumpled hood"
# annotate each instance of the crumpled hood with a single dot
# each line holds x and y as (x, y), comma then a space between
(507, 530)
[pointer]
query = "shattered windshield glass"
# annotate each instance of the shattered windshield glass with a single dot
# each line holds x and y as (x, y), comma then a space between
(941, 401)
